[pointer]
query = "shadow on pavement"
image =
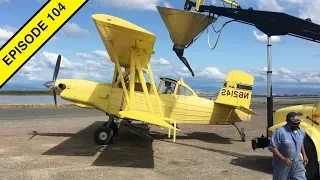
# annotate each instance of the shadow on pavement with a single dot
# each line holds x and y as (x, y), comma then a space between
(252, 162)
(257, 163)
(128, 150)
(202, 136)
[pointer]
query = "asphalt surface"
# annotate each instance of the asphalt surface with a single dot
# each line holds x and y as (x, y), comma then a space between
(57, 143)
(39, 113)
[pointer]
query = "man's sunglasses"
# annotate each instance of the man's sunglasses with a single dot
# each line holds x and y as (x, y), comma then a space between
(296, 124)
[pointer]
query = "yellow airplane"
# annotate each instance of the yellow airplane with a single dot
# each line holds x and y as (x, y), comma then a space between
(130, 98)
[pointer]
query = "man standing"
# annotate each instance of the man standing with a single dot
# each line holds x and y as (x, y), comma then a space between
(289, 157)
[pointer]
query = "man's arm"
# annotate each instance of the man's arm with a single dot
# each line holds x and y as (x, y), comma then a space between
(304, 155)
(274, 145)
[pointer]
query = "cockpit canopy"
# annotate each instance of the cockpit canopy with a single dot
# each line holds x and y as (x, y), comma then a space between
(171, 86)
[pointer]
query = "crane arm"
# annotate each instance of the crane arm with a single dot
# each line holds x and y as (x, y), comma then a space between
(270, 23)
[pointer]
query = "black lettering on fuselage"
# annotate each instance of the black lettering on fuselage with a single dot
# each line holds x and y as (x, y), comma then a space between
(235, 93)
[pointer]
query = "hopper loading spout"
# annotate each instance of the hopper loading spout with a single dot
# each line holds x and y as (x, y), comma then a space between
(179, 52)
(183, 27)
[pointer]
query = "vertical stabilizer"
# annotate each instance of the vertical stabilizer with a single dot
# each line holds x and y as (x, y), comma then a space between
(237, 91)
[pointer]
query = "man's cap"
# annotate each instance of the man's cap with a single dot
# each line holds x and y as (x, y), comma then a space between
(293, 117)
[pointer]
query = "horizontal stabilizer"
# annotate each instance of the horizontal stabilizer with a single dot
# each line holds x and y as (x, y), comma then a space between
(241, 108)
(148, 118)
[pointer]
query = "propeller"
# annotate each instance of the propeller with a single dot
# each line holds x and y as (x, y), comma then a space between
(51, 84)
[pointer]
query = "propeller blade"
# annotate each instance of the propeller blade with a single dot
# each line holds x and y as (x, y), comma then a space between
(56, 69)
(49, 84)
(55, 96)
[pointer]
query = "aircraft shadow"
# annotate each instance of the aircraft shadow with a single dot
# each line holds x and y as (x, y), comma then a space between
(202, 136)
(131, 150)
(252, 162)
(128, 150)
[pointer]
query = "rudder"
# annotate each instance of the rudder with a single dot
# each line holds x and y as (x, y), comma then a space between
(237, 89)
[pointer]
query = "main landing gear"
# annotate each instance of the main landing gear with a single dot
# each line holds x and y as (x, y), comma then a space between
(104, 135)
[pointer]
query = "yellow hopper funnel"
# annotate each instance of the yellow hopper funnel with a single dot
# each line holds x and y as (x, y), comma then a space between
(183, 27)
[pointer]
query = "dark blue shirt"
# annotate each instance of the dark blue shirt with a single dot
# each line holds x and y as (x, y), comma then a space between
(288, 142)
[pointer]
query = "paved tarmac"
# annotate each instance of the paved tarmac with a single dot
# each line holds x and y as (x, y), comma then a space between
(36, 113)
(57, 143)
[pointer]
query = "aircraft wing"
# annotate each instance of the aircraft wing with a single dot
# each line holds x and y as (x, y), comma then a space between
(241, 108)
(148, 118)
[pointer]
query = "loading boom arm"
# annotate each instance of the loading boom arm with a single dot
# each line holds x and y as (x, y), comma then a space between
(270, 23)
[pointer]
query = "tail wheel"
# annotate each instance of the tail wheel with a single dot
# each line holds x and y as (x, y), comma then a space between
(312, 167)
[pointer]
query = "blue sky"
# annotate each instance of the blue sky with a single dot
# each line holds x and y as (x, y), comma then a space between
(295, 61)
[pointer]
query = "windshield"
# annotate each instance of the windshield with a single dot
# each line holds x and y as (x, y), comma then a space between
(166, 87)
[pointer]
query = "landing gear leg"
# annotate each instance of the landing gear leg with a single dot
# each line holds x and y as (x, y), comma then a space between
(111, 124)
(241, 132)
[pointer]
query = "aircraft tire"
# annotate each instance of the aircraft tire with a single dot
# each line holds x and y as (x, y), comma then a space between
(312, 167)
(103, 135)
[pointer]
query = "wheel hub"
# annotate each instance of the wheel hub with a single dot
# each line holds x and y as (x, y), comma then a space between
(103, 135)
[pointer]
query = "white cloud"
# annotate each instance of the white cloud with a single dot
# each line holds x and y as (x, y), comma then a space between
(161, 61)
(169, 70)
(286, 77)
(6, 33)
(264, 38)
(102, 54)
(83, 55)
(305, 8)
(310, 9)
(41, 68)
(210, 73)
(130, 4)
(167, 4)
(270, 5)
(284, 71)
(73, 30)
(149, 5)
